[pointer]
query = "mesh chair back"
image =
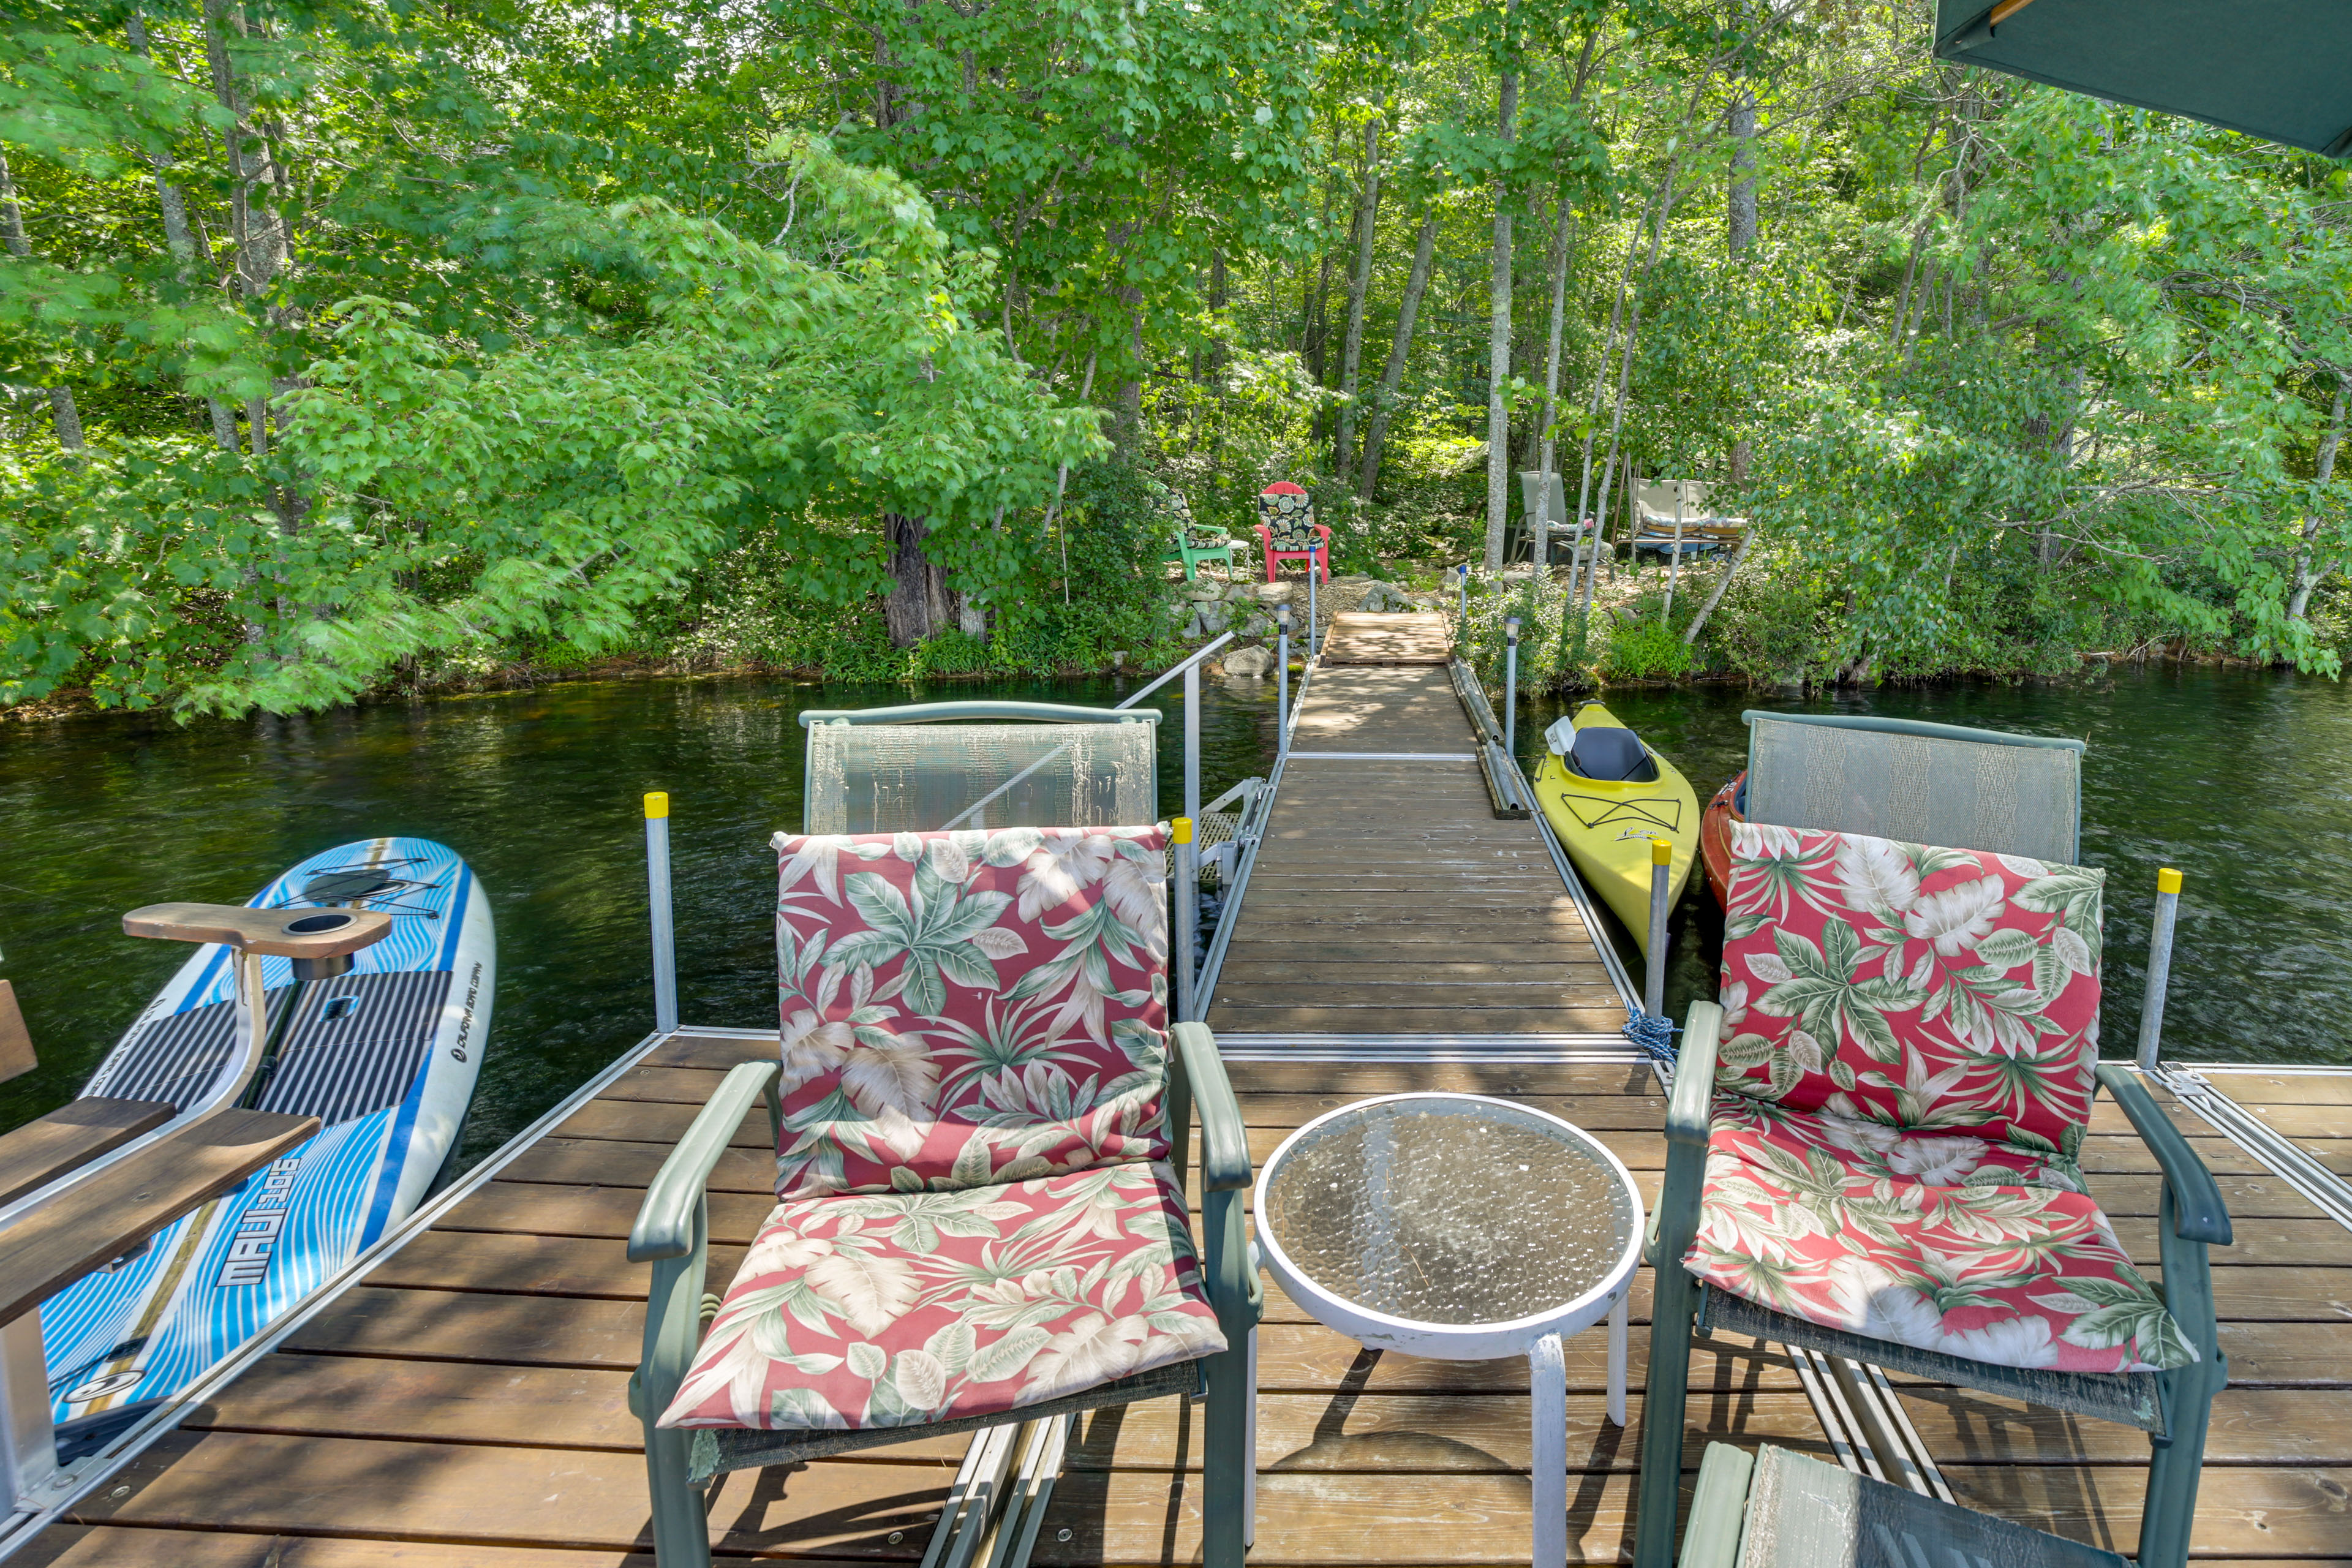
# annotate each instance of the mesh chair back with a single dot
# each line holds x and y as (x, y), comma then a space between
(876, 772)
(1918, 783)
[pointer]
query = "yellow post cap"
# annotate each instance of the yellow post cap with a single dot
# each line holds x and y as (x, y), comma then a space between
(656, 804)
(1661, 851)
(1182, 828)
(2168, 881)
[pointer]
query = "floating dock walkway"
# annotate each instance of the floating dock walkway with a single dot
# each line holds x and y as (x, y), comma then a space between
(459, 1400)
(1384, 897)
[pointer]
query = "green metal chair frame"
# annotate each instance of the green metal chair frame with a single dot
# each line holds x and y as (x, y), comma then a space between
(672, 1233)
(1192, 555)
(2191, 1218)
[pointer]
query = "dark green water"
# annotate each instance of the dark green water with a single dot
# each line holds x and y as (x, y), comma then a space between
(2243, 781)
(539, 791)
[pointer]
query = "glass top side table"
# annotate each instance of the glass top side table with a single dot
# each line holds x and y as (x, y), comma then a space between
(1465, 1228)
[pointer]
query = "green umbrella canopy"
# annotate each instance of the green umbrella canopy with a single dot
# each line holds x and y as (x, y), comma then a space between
(2280, 69)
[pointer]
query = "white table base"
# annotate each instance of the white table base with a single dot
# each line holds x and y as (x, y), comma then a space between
(1547, 1382)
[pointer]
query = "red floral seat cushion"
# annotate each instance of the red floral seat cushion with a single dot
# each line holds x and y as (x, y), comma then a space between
(1931, 989)
(1874, 1150)
(962, 1009)
(2015, 1276)
(901, 1309)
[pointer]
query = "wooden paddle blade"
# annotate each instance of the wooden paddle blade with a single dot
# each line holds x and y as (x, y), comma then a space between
(17, 1057)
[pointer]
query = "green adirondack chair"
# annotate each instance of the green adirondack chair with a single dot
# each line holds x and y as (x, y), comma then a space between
(1193, 543)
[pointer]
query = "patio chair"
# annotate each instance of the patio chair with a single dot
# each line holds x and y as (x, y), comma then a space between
(1915, 783)
(926, 765)
(1286, 530)
(1562, 533)
(1872, 1145)
(981, 1198)
(1194, 543)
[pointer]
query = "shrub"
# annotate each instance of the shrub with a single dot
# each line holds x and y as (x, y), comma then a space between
(1647, 650)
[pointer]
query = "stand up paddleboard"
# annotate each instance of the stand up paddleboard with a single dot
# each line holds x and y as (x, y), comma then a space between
(385, 1056)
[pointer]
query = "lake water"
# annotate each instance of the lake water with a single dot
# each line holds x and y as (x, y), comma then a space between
(540, 791)
(2244, 781)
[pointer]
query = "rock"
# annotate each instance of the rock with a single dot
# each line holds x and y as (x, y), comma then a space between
(1352, 580)
(1213, 618)
(1249, 662)
(1258, 627)
(1243, 591)
(1205, 591)
(1274, 592)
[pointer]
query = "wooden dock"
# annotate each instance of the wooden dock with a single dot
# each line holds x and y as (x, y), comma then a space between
(462, 1403)
(1386, 898)
(465, 1404)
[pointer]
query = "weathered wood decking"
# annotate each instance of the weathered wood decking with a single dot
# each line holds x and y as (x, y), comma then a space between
(466, 1403)
(1387, 897)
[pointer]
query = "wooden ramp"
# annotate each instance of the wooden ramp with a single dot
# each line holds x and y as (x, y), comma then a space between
(1356, 637)
(465, 1406)
(1387, 899)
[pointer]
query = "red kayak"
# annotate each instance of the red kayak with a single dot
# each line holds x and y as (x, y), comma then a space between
(1715, 837)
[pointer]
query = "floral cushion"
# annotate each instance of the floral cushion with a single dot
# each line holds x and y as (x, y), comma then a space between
(1288, 513)
(960, 1009)
(2016, 1276)
(1874, 1150)
(1921, 988)
(897, 1308)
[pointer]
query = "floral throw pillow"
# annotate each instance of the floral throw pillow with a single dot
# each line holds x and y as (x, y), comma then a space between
(1288, 513)
(1930, 989)
(961, 1009)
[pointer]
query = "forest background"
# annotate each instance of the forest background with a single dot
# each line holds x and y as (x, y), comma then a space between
(352, 345)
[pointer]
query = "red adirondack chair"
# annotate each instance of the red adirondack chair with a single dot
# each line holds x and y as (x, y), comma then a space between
(1286, 530)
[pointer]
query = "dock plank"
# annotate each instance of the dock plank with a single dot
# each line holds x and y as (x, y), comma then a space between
(466, 1403)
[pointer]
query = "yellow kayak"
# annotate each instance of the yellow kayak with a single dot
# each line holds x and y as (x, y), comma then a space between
(1608, 796)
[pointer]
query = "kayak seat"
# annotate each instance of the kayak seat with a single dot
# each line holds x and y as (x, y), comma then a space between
(1611, 756)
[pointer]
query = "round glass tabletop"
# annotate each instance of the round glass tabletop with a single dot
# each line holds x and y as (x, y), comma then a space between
(1449, 1210)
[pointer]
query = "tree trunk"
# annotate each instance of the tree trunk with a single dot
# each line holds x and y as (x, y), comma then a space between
(67, 417)
(1739, 215)
(918, 604)
(1416, 284)
(182, 243)
(1739, 234)
(1738, 554)
(1540, 539)
(1498, 343)
(1351, 352)
(2307, 576)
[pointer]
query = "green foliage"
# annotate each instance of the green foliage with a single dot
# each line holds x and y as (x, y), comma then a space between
(521, 335)
(1646, 649)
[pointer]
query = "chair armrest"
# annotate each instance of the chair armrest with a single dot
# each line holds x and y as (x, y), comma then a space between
(2199, 1212)
(1224, 1143)
(1689, 1112)
(665, 1226)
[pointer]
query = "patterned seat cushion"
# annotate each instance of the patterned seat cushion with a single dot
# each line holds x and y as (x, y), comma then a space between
(899, 1308)
(2016, 1276)
(963, 1009)
(1930, 989)
(1874, 1150)
(1288, 513)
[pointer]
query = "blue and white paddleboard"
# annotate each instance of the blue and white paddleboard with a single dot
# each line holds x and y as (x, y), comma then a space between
(385, 1056)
